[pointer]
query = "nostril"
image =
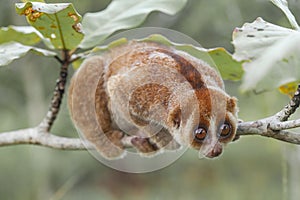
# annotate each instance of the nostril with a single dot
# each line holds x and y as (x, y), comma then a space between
(216, 152)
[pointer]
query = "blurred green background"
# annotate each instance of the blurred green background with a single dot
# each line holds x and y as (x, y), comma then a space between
(252, 168)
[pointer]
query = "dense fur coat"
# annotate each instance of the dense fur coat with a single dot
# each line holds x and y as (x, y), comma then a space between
(152, 97)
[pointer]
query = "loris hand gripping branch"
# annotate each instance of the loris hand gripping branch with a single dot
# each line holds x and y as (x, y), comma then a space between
(153, 97)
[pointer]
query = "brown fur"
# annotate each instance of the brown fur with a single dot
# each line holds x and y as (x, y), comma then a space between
(152, 92)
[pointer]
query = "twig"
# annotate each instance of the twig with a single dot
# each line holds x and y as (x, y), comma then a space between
(46, 124)
(285, 125)
(59, 60)
(290, 108)
(263, 128)
(275, 125)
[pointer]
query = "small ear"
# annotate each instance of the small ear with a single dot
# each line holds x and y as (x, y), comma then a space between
(231, 105)
(174, 117)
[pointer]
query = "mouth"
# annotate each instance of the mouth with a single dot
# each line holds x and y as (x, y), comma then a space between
(215, 151)
(213, 154)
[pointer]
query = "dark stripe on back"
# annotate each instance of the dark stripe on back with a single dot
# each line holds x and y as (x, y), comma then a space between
(191, 74)
(195, 79)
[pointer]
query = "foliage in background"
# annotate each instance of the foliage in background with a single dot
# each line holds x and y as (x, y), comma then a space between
(45, 173)
(59, 27)
(268, 52)
(271, 53)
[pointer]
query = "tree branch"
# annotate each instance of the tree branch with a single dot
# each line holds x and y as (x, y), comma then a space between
(274, 127)
(36, 137)
(264, 128)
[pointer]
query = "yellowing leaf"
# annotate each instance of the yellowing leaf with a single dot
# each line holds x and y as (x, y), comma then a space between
(289, 88)
(60, 23)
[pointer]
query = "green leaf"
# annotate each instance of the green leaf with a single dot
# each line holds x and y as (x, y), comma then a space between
(121, 14)
(115, 43)
(283, 5)
(271, 53)
(14, 50)
(59, 23)
(23, 34)
(76, 64)
(229, 68)
(218, 58)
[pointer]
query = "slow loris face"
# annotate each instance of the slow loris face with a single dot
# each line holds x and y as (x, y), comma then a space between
(215, 124)
(217, 127)
(153, 97)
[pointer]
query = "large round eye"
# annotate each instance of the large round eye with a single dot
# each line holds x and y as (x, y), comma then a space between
(225, 130)
(200, 134)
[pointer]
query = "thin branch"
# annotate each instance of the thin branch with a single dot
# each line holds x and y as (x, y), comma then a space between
(46, 124)
(290, 108)
(286, 136)
(263, 128)
(82, 55)
(275, 125)
(59, 60)
(34, 136)
(285, 125)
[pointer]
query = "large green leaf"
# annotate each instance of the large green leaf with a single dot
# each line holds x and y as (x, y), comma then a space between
(23, 34)
(113, 44)
(60, 23)
(76, 64)
(272, 53)
(14, 50)
(123, 14)
(229, 68)
(219, 58)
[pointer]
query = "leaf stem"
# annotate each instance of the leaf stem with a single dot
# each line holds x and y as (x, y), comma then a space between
(59, 60)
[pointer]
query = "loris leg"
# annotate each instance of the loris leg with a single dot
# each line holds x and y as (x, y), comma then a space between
(144, 145)
(154, 143)
(89, 109)
(163, 139)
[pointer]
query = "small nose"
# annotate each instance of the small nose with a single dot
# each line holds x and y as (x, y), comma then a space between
(215, 151)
